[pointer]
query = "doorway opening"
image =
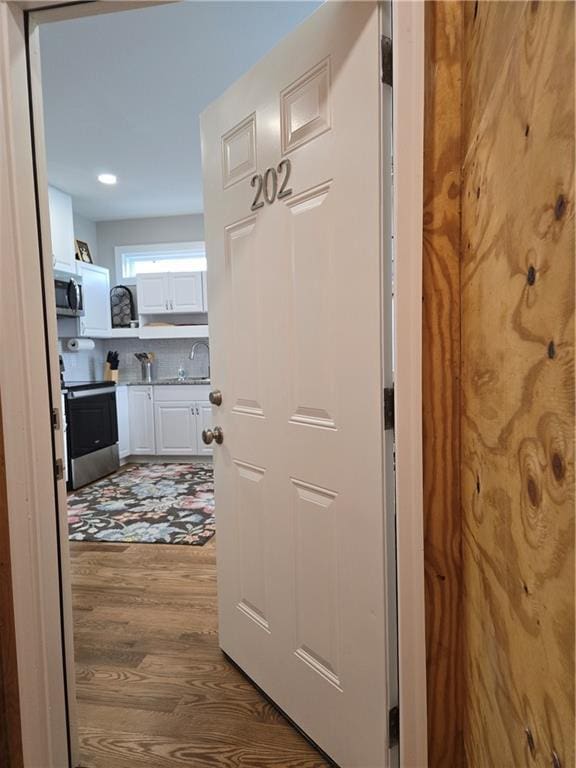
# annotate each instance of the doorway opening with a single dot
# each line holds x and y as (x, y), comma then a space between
(158, 297)
(124, 186)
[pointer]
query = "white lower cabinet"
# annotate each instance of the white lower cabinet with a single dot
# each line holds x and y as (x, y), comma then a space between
(122, 411)
(175, 428)
(205, 420)
(141, 412)
(168, 420)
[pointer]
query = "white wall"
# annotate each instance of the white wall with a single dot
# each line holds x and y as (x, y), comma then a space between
(166, 229)
(85, 230)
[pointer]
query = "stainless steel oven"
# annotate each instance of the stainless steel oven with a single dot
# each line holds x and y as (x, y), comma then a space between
(69, 295)
(92, 431)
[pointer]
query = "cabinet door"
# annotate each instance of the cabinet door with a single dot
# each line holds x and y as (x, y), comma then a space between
(205, 291)
(62, 230)
(96, 292)
(204, 420)
(186, 292)
(175, 429)
(141, 410)
(123, 421)
(153, 294)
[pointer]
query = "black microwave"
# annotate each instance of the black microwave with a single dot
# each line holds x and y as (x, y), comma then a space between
(69, 297)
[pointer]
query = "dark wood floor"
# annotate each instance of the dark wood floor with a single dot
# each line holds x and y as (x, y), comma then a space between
(154, 690)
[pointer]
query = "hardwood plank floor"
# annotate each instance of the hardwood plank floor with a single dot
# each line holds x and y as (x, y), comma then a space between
(154, 689)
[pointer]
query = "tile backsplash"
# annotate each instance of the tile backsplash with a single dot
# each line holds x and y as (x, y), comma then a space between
(83, 366)
(170, 355)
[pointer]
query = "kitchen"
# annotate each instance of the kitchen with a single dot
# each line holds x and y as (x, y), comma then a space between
(162, 405)
(135, 383)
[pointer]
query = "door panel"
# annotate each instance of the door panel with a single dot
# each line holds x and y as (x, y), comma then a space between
(251, 488)
(317, 590)
(296, 340)
(312, 307)
(243, 269)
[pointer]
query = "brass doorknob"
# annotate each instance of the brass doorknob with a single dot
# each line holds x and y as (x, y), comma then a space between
(215, 397)
(213, 435)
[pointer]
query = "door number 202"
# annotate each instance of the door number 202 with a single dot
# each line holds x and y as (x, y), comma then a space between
(267, 185)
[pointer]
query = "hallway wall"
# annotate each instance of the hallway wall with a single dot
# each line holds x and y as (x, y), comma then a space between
(517, 411)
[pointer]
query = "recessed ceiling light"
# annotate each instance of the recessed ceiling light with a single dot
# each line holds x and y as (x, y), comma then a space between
(107, 178)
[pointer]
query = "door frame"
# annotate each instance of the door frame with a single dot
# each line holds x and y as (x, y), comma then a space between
(29, 390)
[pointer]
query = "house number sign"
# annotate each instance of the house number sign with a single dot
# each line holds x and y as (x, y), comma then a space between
(266, 184)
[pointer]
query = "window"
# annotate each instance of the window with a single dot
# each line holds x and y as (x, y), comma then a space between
(132, 260)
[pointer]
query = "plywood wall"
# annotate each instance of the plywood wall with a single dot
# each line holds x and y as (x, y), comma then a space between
(518, 413)
(441, 383)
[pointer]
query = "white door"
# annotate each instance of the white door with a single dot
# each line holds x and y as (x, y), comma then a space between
(175, 428)
(186, 292)
(204, 420)
(153, 294)
(295, 289)
(141, 412)
(62, 230)
(96, 294)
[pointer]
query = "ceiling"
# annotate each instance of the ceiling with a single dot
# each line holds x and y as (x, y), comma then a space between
(123, 93)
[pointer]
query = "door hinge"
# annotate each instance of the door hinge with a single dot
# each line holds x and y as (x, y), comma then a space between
(386, 46)
(393, 727)
(389, 408)
(59, 469)
(55, 418)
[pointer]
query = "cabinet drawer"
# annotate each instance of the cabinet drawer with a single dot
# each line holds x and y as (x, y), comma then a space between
(181, 393)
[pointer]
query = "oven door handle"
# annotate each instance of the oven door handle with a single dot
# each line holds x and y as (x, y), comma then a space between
(90, 392)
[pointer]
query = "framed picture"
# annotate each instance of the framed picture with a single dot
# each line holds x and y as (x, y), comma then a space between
(83, 252)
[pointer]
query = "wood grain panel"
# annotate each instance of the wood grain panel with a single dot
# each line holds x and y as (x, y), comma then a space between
(518, 415)
(441, 383)
(10, 734)
(154, 689)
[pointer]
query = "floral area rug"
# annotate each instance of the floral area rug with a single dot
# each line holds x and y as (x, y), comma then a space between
(146, 503)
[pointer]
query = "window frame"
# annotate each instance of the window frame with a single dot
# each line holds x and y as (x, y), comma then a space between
(195, 247)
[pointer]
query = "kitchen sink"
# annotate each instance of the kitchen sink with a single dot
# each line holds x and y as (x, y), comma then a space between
(186, 380)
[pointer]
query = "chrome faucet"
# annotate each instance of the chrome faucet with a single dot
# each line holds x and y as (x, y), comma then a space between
(193, 353)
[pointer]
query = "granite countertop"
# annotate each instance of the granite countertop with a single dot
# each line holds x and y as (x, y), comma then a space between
(163, 382)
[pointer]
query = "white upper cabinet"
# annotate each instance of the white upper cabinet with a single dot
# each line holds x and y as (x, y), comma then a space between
(62, 230)
(186, 292)
(153, 293)
(172, 292)
(96, 293)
